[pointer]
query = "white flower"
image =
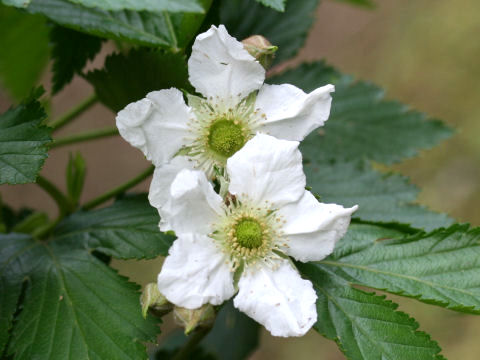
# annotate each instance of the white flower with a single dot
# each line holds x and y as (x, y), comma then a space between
(236, 104)
(267, 215)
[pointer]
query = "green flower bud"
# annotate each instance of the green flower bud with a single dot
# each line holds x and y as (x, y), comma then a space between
(261, 49)
(191, 319)
(151, 299)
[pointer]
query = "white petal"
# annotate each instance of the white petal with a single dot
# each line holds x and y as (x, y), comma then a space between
(195, 273)
(267, 169)
(313, 228)
(163, 177)
(292, 114)
(193, 206)
(157, 125)
(278, 299)
(220, 66)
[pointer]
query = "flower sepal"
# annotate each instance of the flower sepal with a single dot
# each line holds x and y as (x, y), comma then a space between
(153, 300)
(190, 319)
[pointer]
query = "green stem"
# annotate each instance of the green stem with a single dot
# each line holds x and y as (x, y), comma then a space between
(119, 189)
(86, 136)
(192, 343)
(74, 112)
(61, 200)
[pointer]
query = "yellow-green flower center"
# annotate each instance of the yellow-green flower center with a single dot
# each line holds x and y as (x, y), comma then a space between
(249, 233)
(225, 137)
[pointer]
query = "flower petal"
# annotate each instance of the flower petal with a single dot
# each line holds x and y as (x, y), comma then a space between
(313, 228)
(220, 66)
(162, 180)
(195, 273)
(278, 299)
(156, 124)
(267, 169)
(193, 206)
(292, 114)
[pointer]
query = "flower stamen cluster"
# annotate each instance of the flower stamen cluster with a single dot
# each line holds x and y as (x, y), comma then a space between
(218, 129)
(249, 234)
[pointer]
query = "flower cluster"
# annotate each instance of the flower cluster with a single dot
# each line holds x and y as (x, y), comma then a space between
(229, 182)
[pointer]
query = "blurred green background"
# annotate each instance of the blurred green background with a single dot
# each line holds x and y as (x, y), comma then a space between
(423, 53)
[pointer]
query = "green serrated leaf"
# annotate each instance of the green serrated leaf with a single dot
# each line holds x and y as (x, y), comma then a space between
(381, 197)
(365, 326)
(128, 78)
(146, 5)
(23, 142)
(442, 267)
(278, 5)
(362, 124)
(70, 53)
(24, 44)
(287, 30)
(74, 306)
(158, 29)
(126, 230)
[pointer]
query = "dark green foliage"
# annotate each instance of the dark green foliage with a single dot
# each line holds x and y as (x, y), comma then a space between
(363, 127)
(381, 197)
(128, 78)
(24, 141)
(148, 5)
(74, 306)
(159, 29)
(24, 50)
(126, 230)
(70, 53)
(442, 267)
(287, 30)
(364, 325)
(362, 124)
(234, 337)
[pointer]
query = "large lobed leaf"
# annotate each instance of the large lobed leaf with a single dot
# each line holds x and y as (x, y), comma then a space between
(383, 198)
(126, 230)
(362, 124)
(149, 28)
(74, 306)
(23, 142)
(442, 267)
(70, 53)
(362, 127)
(138, 5)
(126, 78)
(364, 325)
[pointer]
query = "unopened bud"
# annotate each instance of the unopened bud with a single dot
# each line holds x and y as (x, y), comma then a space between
(261, 49)
(151, 299)
(191, 319)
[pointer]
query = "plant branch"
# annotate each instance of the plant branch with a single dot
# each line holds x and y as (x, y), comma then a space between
(192, 343)
(74, 112)
(119, 189)
(86, 136)
(61, 200)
